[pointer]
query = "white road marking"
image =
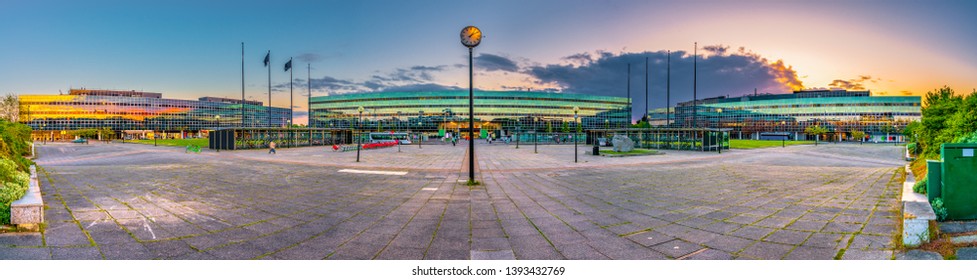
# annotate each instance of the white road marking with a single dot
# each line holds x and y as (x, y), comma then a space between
(398, 173)
(150, 229)
(429, 189)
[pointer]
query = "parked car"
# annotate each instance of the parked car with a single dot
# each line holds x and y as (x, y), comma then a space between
(80, 140)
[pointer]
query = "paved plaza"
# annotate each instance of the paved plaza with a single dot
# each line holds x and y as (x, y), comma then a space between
(131, 201)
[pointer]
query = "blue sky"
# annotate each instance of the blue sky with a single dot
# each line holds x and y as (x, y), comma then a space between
(187, 49)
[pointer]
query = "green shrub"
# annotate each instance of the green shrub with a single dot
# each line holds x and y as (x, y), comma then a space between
(913, 148)
(15, 139)
(15, 144)
(939, 209)
(920, 186)
(13, 187)
(970, 138)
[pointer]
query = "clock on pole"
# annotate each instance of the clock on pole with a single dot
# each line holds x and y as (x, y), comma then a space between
(471, 36)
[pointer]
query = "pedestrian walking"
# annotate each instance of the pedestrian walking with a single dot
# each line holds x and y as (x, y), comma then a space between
(271, 147)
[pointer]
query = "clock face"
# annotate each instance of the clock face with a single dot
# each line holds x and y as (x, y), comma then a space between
(471, 36)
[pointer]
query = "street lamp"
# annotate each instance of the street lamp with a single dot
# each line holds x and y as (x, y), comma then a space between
(444, 121)
(359, 123)
(783, 141)
(895, 128)
(216, 134)
(419, 135)
(575, 110)
(719, 134)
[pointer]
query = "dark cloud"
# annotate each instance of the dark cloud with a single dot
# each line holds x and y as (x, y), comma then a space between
(428, 68)
(414, 78)
(491, 62)
(580, 58)
(786, 75)
(719, 74)
(372, 85)
(849, 85)
(718, 49)
(544, 89)
(324, 84)
(413, 74)
(421, 87)
(309, 57)
(853, 84)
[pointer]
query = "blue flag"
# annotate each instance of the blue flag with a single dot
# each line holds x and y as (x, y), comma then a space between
(288, 65)
(267, 58)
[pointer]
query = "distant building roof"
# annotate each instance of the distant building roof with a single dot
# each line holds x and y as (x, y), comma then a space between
(229, 100)
(818, 93)
(104, 92)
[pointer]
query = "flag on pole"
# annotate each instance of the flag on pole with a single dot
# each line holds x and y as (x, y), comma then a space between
(288, 65)
(267, 58)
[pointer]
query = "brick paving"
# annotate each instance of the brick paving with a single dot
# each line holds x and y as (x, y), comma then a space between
(134, 201)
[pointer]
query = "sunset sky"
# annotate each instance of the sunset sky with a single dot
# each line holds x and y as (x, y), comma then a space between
(187, 49)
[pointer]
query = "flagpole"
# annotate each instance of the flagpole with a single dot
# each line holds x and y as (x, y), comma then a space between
(309, 104)
(291, 104)
(668, 88)
(242, 84)
(630, 104)
(268, 64)
(308, 122)
(647, 118)
(291, 95)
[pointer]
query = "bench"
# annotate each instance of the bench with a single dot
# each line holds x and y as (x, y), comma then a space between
(28, 211)
(343, 148)
(367, 146)
(916, 214)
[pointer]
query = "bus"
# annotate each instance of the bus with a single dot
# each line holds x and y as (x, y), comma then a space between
(379, 137)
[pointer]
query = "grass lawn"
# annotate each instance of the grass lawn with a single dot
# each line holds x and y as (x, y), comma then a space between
(202, 142)
(632, 152)
(753, 144)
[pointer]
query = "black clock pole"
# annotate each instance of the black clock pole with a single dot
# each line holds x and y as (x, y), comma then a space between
(471, 121)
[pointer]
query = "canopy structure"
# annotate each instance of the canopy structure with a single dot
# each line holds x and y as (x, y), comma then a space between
(670, 138)
(259, 138)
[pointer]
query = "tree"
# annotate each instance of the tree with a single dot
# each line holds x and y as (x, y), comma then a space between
(549, 127)
(10, 108)
(815, 130)
(566, 127)
(912, 130)
(940, 120)
(964, 120)
(858, 134)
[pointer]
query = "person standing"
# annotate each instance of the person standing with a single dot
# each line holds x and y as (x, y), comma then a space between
(271, 146)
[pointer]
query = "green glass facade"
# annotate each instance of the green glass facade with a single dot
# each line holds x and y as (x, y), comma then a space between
(841, 112)
(503, 111)
(125, 110)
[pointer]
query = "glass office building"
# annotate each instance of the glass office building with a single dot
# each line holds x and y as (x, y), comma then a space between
(777, 116)
(134, 111)
(501, 112)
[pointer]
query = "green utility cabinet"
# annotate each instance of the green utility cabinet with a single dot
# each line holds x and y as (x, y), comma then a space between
(934, 183)
(959, 190)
